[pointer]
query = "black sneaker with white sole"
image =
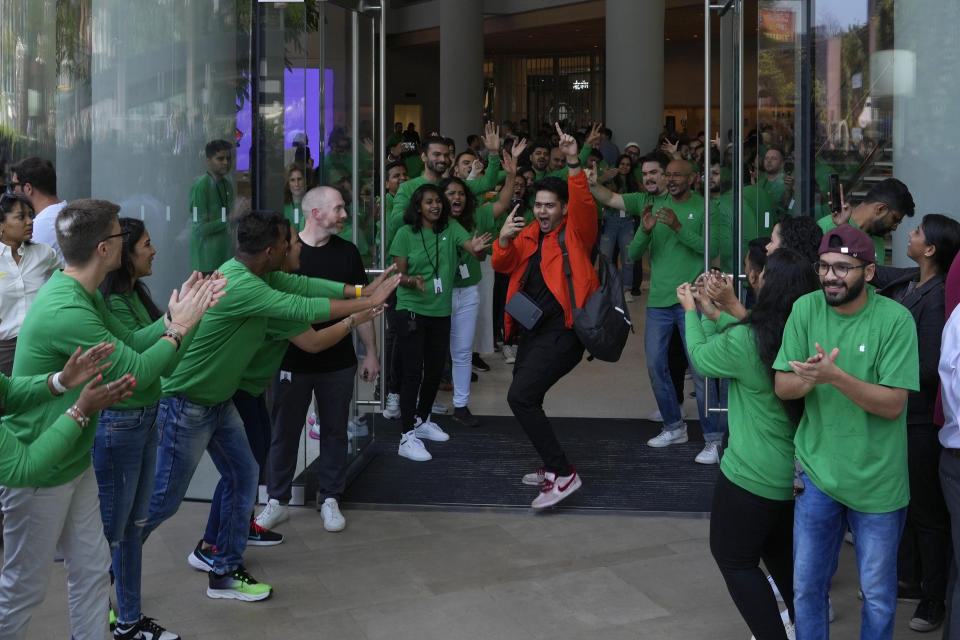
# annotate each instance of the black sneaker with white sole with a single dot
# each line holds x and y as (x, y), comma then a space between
(479, 365)
(201, 559)
(260, 537)
(144, 629)
(464, 417)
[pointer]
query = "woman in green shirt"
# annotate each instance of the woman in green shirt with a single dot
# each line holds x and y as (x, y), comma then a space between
(752, 514)
(426, 250)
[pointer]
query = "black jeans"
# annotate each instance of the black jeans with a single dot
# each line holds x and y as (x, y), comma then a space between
(423, 342)
(391, 368)
(677, 362)
(924, 555)
(745, 529)
(542, 359)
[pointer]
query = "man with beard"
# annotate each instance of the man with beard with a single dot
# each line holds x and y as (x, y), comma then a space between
(851, 356)
(557, 161)
(880, 213)
(540, 158)
(672, 229)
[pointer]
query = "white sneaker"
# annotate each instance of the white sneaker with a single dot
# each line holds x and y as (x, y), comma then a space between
(439, 408)
(657, 417)
(509, 353)
(668, 437)
(273, 514)
(333, 520)
(710, 453)
(358, 428)
(429, 430)
(411, 447)
(534, 479)
(392, 410)
(555, 488)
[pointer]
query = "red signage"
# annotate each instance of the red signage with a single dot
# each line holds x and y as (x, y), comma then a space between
(777, 24)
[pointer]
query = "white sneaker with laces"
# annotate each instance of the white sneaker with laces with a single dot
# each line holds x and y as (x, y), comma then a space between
(411, 447)
(392, 410)
(509, 353)
(534, 479)
(668, 437)
(555, 488)
(333, 520)
(710, 453)
(429, 430)
(439, 408)
(273, 514)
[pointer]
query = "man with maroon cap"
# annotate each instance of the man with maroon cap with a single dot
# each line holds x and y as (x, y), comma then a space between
(851, 356)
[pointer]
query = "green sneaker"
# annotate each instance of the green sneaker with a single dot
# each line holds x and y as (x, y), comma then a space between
(238, 585)
(113, 617)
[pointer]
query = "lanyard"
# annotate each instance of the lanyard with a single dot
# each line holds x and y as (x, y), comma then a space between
(436, 237)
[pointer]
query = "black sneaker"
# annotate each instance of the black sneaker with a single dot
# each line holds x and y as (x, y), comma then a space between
(479, 365)
(260, 537)
(238, 585)
(145, 629)
(201, 559)
(464, 417)
(928, 616)
(474, 377)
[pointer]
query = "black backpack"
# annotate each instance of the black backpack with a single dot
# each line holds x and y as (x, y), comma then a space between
(603, 323)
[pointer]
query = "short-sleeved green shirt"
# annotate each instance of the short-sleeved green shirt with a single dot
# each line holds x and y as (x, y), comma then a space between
(826, 223)
(431, 255)
(485, 223)
(855, 457)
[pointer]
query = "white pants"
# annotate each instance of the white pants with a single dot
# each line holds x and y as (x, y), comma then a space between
(37, 522)
(463, 323)
(483, 338)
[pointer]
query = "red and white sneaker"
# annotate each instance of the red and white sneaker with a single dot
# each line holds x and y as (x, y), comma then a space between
(534, 479)
(555, 488)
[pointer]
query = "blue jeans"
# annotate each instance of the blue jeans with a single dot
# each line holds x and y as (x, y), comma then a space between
(186, 430)
(656, 339)
(819, 523)
(124, 459)
(617, 234)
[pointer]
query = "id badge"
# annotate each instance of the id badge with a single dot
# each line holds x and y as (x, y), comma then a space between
(464, 271)
(437, 285)
(623, 214)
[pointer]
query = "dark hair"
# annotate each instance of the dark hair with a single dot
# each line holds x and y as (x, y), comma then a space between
(394, 165)
(628, 183)
(6, 206)
(450, 142)
(429, 140)
(659, 157)
(801, 234)
(468, 152)
(540, 144)
(82, 225)
(757, 253)
(776, 148)
(257, 230)
(944, 234)
(786, 276)
(466, 218)
(216, 146)
(39, 173)
(595, 153)
(892, 193)
(412, 216)
(526, 169)
(557, 186)
(472, 138)
(120, 280)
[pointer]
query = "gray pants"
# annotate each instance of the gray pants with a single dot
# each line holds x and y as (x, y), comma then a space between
(291, 399)
(39, 522)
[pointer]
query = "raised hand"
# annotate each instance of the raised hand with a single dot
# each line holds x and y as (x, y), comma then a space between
(97, 396)
(843, 215)
(670, 148)
(478, 244)
(513, 225)
(593, 138)
(509, 163)
(80, 368)
(368, 145)
(567, 144)
(685, 296)
(720, 289)
(667, 216)
(491, 137)
(370, 289)
(647, 220)
(518, 148)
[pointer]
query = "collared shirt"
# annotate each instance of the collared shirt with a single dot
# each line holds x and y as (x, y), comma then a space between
(19, 283)
(950, 382)
(44, 227)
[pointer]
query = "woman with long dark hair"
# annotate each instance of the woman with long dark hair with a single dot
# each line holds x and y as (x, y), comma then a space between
(426, 252)
(752, 514)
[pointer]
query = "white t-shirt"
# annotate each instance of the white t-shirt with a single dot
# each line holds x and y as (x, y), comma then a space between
(44, 226)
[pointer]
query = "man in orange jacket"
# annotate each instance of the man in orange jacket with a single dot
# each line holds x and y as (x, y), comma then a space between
(550, 350)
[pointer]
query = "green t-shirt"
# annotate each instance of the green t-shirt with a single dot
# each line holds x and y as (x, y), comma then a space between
(774, 189)
(431, 255)
(210, 243)
(484, 223)
(759, 457)
(855, 457)
(675, 258)
(879, 246)
(294, 214)
(266, 361)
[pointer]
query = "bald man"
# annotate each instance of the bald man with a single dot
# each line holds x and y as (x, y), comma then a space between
(327, 375)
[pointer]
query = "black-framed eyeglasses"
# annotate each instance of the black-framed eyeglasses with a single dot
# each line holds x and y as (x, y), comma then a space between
(840, 270)
(122, 234)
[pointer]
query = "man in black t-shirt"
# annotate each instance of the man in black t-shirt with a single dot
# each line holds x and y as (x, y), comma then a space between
(328, 375)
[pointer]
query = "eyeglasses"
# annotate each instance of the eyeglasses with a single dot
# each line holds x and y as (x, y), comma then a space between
(11, 186)
(122, 234)
(840, 270)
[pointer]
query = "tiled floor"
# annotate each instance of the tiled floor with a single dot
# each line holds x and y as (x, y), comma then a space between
(472, 575)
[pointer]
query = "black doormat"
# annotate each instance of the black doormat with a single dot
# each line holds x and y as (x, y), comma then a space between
(482, 467)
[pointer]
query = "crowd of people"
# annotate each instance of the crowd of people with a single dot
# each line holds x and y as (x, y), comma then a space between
(837, 372)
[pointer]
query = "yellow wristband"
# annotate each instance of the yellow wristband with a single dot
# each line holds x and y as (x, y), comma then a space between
(359, 290)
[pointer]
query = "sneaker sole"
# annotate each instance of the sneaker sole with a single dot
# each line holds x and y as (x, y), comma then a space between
(658, 445)
(229, 594)
(431, 438)
(558, 499)
(251, 542)
(417, 459)
(391, 415)
(918, 624)
(530, 483)
(335, 528)
(198, 564)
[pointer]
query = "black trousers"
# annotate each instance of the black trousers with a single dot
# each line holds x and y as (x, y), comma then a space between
(391, 368)
(543, 357)
(422, 343)
(677, 363)
(501, 282)
(745, 529)
(924, 555)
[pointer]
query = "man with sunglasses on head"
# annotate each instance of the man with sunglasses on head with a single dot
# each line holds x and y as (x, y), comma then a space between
(851, 356)
(36, 179)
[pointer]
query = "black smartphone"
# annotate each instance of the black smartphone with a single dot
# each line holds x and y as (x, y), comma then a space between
(788, 166)
(834, 192)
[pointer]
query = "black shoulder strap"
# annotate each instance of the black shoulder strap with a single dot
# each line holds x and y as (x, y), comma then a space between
(567, 271)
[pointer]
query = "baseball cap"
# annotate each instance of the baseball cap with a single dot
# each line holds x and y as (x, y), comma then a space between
(852, 242)
(631, 144)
